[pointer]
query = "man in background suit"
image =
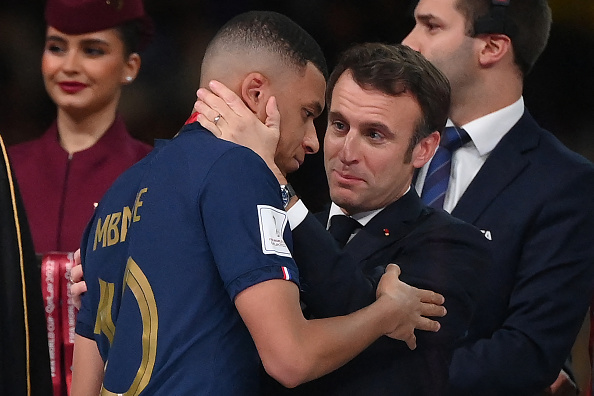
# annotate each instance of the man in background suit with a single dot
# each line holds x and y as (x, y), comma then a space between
(387, 105)
(520, 185)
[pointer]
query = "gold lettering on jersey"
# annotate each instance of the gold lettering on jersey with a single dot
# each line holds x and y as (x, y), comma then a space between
(104, 322)
(138, 204)
(138, 283)
(126, 219)
(114, 227)
(101, 232)
(113, 233)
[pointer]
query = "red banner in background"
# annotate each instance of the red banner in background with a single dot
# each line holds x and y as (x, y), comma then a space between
(61, 317)
(50, 286)
(68, 317)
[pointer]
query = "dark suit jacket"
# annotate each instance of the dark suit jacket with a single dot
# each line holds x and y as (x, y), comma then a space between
(536, 198)
(434, 251)
(24, 353)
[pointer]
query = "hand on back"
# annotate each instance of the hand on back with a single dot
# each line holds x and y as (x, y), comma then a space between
(79, 286)
(412, 307)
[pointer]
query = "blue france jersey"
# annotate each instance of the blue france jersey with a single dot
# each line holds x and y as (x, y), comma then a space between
(170, 246)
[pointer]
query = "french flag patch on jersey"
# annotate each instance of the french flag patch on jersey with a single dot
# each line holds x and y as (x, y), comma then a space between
(286, 275)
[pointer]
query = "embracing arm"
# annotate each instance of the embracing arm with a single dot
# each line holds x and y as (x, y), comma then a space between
(87, 364)
(333, 283)
(295, 350)
(87, 367)
(449, 258)
(78, 286)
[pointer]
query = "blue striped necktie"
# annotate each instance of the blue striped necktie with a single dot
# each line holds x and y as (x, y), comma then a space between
(438, 174)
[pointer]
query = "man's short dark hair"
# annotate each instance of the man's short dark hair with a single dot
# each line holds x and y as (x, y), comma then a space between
(531, 20)
(275, 32)
(396, 70)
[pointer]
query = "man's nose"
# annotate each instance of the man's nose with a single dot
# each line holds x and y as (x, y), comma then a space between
(310, 140)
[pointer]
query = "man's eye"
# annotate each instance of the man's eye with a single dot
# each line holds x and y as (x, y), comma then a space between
(339, 125)
(432, 26)
(374, 135)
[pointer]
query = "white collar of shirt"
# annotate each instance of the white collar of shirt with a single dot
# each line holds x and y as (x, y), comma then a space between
(485, 132)
(363, 218)
(488, 130)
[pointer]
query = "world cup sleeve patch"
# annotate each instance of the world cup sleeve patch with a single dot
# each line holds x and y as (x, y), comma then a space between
(272, 227)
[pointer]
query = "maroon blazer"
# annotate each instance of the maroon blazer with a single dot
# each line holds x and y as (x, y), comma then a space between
(59, 191)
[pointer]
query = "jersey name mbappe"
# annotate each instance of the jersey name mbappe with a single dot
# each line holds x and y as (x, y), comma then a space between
(113, 228)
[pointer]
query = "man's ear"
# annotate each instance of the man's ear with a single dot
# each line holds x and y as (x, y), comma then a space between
(425, 149)
(255, 91)
(493, 48)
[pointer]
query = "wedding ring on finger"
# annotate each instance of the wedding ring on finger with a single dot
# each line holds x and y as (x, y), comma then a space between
(216, 119)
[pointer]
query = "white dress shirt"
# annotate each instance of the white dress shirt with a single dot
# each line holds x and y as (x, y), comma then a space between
(485, 133)
(297, 213)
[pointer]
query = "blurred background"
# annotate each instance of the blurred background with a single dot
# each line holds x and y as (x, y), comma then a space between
(559, 92)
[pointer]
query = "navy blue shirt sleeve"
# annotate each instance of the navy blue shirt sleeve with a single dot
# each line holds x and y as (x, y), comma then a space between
(247, 230)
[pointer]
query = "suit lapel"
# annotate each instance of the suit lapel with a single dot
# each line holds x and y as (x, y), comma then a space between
(505, 163)
(390, 225)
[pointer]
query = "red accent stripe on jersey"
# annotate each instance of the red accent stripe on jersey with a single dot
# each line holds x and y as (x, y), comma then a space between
(193, 118)
(286, 275)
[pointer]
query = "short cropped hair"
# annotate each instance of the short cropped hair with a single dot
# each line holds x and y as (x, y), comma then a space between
(396, 70)
(274, 32)
(531, 20)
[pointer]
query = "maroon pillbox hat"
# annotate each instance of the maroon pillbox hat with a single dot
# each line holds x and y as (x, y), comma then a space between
(86, 16)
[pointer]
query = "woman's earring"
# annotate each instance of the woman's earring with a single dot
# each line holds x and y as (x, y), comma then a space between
(129, 79)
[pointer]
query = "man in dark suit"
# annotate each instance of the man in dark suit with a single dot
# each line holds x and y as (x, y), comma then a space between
(531, 195)
(387, 105)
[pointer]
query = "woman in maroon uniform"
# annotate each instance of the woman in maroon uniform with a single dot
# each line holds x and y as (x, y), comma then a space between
(90, 53)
